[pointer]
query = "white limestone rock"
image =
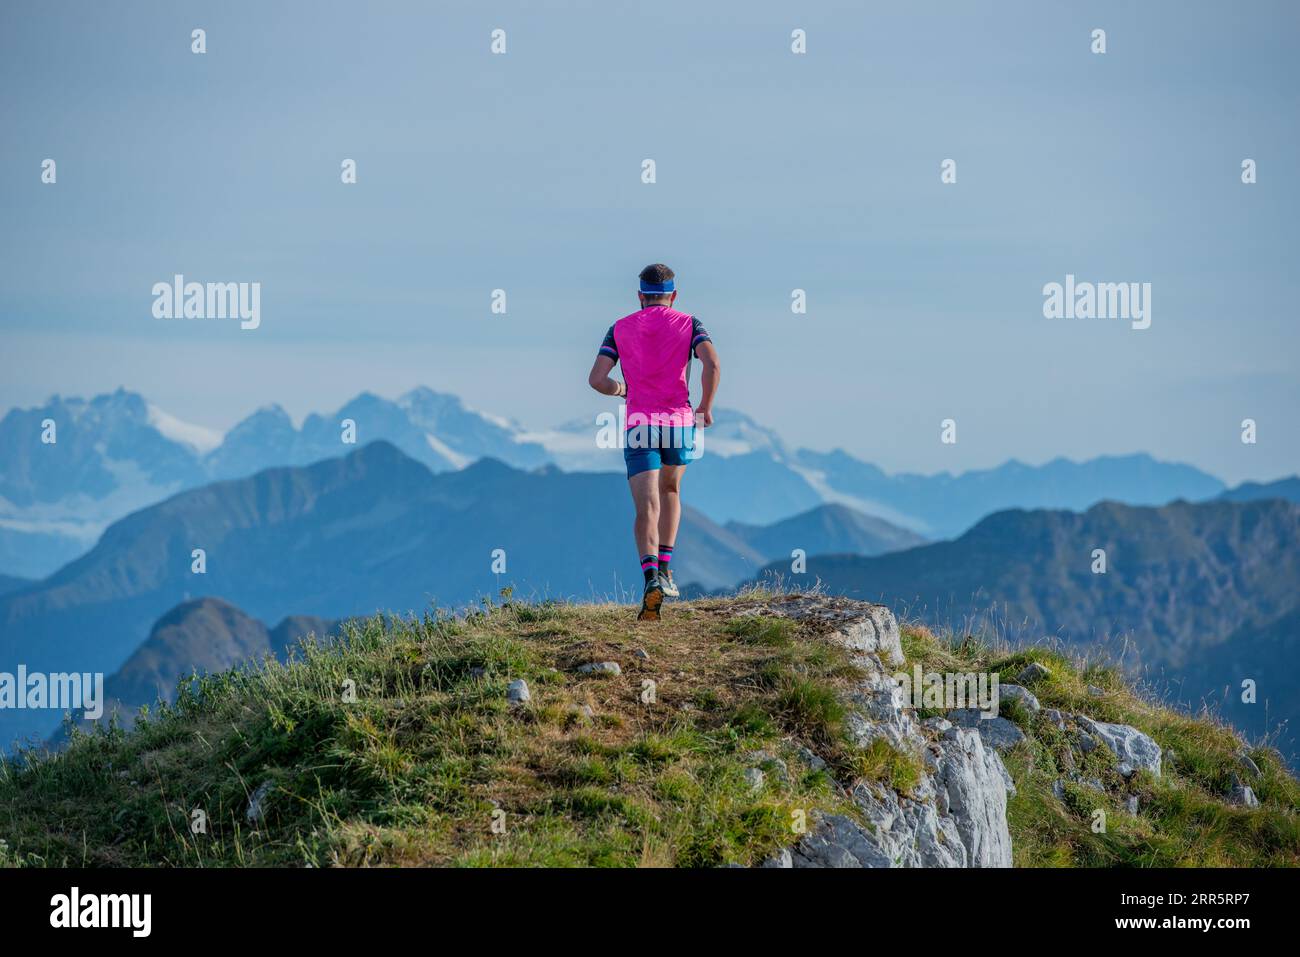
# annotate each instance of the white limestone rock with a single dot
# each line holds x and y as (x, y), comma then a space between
(1129, 744)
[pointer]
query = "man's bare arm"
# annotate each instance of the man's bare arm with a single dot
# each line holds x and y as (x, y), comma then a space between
(599, 378)
(712, 371)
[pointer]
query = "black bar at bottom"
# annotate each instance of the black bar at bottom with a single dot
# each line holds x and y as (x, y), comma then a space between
(332, 907)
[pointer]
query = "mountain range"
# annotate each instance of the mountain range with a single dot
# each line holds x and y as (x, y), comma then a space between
(117, 453)
(371, 531)
(1287, 488)
(945, 505)
(1192, 593)
(98, 532)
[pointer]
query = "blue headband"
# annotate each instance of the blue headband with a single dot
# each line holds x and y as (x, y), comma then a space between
(656, 288)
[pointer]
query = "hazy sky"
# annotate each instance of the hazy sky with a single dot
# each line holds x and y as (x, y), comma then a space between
(775, 171)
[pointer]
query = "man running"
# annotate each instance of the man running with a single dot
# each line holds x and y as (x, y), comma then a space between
(655, 345)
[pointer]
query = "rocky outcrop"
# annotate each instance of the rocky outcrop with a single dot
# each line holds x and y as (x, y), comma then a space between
(955, 815)
(860, 626)
(1033, 672)
(997, 733)
(256, 809)
(1134, 749)
(839, 841)
(517, 693)
(1241, 794)
(1021, 695)
(601, 668)
(973, 784)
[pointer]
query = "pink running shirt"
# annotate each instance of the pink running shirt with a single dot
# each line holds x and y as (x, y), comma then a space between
(655, 346)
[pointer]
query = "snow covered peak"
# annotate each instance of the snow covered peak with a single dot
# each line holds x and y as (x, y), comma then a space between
(198, 437)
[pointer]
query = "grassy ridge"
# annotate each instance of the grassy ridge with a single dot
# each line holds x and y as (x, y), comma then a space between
(1184, 819)
(416, 769)
(397, 746)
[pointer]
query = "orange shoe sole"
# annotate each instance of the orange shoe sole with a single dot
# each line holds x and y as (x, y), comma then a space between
(650, 603)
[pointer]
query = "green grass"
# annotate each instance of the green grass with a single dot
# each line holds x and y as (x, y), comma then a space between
(1183, 819)
(396, 746)
(762, 630)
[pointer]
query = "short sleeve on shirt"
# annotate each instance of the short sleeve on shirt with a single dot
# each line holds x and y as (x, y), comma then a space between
(609, 347)
(698, 334)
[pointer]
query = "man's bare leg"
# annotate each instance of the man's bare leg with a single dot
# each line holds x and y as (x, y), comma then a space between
(645, 496)
(670, 516)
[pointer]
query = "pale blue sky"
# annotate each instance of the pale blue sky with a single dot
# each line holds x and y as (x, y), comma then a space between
(775, 171)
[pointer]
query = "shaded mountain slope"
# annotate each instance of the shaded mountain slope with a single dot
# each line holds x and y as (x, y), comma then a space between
(9, 583)
(206, 635)
(826, 529)
(1287, 488)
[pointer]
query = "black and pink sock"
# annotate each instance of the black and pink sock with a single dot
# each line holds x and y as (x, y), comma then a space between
(665, 556)
(650, 566)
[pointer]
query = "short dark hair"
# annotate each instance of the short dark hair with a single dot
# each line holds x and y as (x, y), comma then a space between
(657, 272)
